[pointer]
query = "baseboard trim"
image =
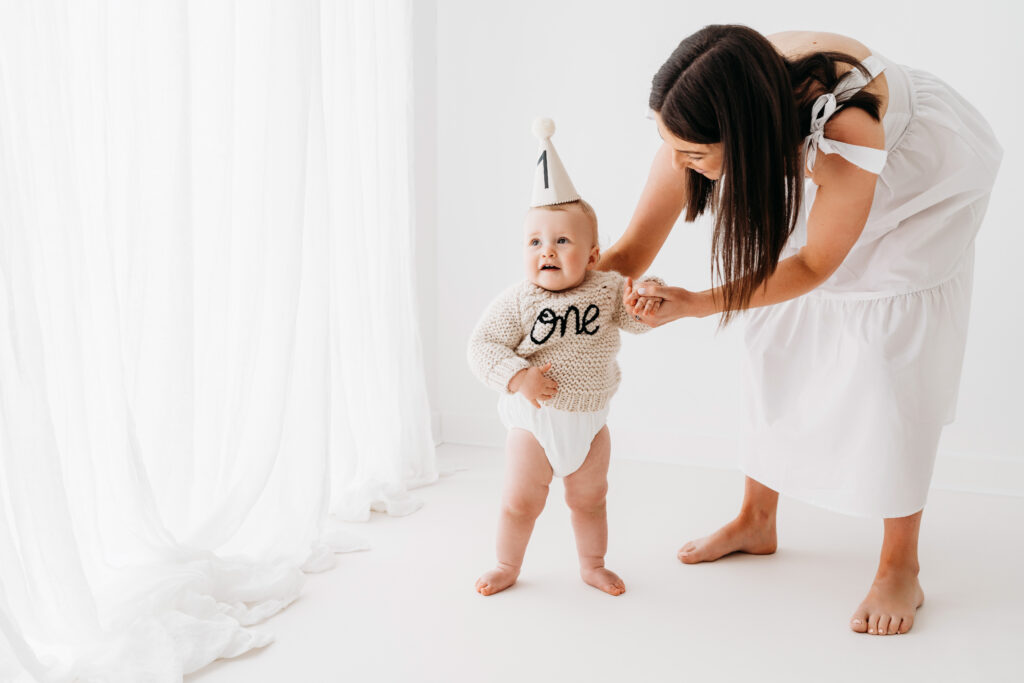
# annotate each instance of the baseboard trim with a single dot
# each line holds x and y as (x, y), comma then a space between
(954, 471)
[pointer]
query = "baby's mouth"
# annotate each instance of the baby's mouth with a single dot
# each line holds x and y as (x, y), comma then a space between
(548, 266)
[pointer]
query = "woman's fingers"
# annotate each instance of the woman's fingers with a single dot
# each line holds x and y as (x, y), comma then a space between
(642, 303)
(649, 289)
(650, 316)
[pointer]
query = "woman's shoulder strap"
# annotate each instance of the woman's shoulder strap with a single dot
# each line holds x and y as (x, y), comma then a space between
(868, 158)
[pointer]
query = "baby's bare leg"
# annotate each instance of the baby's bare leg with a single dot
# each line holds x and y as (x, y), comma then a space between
(585, 491)
(527, 476)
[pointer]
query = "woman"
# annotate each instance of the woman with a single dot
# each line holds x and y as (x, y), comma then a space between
(858, 285)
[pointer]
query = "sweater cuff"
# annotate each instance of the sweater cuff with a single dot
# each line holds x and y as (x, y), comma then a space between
(650, 278)
(504, 370)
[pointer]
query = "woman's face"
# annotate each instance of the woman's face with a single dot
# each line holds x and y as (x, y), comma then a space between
(704, 159)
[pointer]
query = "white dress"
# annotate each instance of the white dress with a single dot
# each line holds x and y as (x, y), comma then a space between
(848, 387)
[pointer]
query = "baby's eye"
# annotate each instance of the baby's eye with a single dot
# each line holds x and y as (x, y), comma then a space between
(563, 240)
(534, 242)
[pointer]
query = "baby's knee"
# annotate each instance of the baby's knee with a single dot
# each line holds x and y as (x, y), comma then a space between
(525, 505)
(586, 498)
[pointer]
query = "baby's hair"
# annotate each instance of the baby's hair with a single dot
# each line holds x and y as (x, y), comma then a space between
(583, 206)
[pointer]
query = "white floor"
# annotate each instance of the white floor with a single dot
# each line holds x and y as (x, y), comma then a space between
(406, 610)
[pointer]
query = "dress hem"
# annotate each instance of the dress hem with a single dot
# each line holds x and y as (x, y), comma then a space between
(831, 508)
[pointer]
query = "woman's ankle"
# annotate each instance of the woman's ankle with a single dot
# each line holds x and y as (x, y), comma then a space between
(897, 566)
(757, 516)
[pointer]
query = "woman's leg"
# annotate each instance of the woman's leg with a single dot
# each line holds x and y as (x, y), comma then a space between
(585, 492)
(753, 530)
(896, 593)
(527, 476)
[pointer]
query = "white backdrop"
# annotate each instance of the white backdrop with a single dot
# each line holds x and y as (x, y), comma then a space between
(589, 67)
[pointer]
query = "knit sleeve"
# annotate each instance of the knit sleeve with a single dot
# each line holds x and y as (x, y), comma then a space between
(491, 353)
(623, 317)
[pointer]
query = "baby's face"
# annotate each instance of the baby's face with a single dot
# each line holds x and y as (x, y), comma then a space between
(559, 247)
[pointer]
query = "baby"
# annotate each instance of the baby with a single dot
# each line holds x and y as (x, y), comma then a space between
(549, 345)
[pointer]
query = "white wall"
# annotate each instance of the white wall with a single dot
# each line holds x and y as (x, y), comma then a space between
(589, 67)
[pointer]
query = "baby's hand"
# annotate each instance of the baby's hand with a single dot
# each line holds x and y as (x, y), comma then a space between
(637, 303)
(532, 384)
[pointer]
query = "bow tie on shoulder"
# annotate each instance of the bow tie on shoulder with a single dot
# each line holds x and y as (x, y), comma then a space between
(822, 110)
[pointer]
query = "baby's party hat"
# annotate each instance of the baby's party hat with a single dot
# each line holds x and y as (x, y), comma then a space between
(551, 184)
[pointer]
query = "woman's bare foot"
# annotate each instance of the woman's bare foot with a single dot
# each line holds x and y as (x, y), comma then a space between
(497, 580)
(891, 603)
(603, 579)
(746, 534)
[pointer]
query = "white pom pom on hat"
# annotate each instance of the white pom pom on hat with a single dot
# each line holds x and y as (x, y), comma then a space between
(543, 127)
(551, 184)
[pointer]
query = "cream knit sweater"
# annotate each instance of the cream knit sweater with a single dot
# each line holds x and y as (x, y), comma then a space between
(576, 330)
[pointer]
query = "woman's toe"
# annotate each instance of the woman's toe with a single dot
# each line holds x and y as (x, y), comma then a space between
(859, 621)
(687, 552)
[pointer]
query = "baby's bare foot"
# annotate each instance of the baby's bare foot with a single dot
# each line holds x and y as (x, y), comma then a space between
(890, 605)
(497, 580)
(743, 534)
(603, 579)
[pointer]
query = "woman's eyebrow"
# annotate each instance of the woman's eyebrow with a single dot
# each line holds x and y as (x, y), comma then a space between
(684, 151)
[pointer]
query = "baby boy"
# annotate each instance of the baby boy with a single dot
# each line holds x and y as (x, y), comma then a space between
(548, 344)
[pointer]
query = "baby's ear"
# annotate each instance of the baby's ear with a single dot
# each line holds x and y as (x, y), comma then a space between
(595, 256)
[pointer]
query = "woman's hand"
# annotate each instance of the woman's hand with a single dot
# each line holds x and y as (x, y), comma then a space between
(633, 300)
(655, 305)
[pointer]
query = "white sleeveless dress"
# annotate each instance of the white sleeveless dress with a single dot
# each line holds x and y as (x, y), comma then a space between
(848, 387)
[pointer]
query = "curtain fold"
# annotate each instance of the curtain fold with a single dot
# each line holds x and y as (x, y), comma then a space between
(375, 347)
(208, 349)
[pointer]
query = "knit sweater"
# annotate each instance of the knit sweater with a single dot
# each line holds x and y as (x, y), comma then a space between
(576, 330)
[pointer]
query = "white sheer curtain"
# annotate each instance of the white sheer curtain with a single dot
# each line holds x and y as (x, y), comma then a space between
(207, 323)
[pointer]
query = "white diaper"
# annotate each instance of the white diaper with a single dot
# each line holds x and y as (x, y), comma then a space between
(565, 436)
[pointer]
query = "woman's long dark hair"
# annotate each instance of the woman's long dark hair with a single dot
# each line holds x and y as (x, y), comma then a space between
(728, 84)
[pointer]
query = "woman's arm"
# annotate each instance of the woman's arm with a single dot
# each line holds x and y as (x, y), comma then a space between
(659, 207)
(837, 218)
